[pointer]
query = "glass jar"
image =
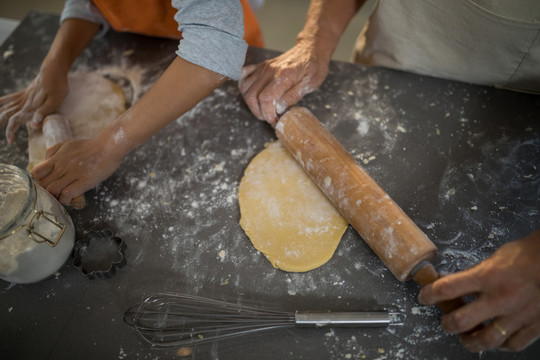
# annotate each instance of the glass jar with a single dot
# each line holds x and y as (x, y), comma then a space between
(36, 232)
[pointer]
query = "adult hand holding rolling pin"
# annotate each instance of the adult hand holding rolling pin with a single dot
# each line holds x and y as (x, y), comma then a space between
(420, 37)
(506, 284)
(506, 287)
(269, 88)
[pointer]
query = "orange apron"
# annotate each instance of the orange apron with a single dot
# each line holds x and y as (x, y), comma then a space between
(156, 18)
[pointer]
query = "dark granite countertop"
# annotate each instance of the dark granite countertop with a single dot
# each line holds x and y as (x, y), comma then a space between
(461, 160)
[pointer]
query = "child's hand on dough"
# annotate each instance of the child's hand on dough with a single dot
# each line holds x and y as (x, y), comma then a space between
(73, 167)
(42, 97)
(506, 287)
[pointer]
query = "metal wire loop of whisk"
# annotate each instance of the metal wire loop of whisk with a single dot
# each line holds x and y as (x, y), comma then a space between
(178, 320)
(169, 320)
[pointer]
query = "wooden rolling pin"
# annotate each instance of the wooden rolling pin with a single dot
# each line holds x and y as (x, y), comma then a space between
(392, 235)
(56, 129)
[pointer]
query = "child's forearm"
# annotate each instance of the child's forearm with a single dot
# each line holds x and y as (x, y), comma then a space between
(70, 40)
(180, 88)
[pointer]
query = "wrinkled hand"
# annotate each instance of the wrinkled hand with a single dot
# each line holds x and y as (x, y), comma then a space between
(507, 295)
(41, 98)
(73, 167)
(272, 86)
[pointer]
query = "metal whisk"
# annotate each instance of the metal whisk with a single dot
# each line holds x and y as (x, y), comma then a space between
(177, 320)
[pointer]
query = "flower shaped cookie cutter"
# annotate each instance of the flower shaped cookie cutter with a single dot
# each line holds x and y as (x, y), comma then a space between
(100, 254)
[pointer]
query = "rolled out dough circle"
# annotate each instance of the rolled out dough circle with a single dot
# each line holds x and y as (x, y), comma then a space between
(92, 103)
(285, 214)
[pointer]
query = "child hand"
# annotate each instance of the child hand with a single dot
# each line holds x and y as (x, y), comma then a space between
(75, 166)
(41, 98)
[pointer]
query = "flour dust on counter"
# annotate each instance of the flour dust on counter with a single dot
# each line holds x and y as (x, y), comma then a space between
(347, 346)
(472, 191)
(198, 188)
(374, 117)
(8, 53)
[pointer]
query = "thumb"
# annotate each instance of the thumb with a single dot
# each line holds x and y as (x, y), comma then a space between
(41, 113)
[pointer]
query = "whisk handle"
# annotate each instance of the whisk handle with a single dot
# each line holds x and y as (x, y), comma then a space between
(348, 319)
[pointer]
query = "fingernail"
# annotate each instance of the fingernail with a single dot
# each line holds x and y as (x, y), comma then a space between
(37, 118)
(281, 107)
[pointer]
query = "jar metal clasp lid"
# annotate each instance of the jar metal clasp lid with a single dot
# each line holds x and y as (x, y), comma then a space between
(36, 219)
(46, 216)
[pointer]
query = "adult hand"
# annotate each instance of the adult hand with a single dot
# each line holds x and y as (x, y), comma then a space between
(41, 98)
(272, 86)
(506, 287)
(73, 167)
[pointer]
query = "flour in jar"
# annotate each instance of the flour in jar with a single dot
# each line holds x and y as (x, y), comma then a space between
(19, 242)
(36, 232)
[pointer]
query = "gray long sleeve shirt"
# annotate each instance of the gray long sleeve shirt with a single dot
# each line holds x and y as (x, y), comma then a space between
(212, 31)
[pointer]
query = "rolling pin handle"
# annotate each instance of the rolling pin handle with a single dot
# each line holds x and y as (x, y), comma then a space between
(426, 274)
(79, 202)
(417, 268)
